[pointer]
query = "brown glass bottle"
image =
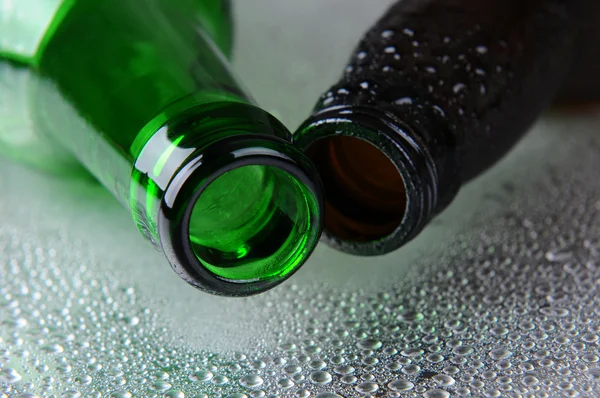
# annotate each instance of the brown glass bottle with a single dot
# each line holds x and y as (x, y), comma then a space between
(436, 92)
(582, 84)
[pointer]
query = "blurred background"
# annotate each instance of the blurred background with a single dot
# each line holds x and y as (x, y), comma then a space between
(498, 296)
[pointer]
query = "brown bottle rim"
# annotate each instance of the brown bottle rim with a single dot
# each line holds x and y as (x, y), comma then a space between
(415, 177)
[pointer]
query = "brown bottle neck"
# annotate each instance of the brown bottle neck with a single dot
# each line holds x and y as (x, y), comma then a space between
(381, 184)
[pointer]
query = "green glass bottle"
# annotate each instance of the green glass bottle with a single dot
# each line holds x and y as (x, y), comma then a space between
(140, 94)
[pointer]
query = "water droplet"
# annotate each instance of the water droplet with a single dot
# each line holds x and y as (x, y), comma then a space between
(409, 316)
(401, 385)
(500, 353)
(161, 375)
(367, 387)
(242, 357)
(435, 358)
(451, 370)
(292, 369)
(437, 393)
(337, 359)
(320, 377)
(251, 381)
(404, 101)
(459, 87)
(54, 349)
(174, 394)
(444, 380)
(386, 34)
(328, 395)
(317, 364)
(344, 369)
(369, 344)
(590, 358)
(202, 375)
(71, 394)
(530, 381)
(411, 369)
(349, 379)
(220, 380)
(302, 393)
(121, 394)
(594, 373)
(499, 331)
(285, 384)
(237, 395)
(83, 380)
(558, 256)
(408, 32)
(412, 352)
(589, 338)
(463, 350)
(161, 385)
(554, 311)
(9, 375)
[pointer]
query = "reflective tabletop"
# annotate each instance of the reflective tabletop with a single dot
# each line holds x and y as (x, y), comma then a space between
(499, 296)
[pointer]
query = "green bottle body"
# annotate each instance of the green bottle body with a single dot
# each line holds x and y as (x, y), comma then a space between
(140, 93)
(71, 28)
(104, 70)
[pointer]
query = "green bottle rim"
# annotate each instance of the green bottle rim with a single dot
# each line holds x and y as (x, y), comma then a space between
(191, 182)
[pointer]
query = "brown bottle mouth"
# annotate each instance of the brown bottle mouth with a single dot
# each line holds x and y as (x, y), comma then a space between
(380, 182)
(365, 194)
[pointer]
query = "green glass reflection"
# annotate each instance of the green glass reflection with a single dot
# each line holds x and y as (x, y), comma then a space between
(251, 223)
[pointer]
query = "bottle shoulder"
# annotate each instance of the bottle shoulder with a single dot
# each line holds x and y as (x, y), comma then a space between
(27, 25)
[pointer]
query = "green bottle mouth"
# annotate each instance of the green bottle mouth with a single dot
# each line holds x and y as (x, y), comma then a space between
(243, 216)
(253, 223)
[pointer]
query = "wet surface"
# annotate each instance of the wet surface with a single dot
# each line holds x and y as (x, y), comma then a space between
(498, 297)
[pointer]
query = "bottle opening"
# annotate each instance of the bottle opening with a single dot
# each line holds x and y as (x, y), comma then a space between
(253, 223)
(365, 195)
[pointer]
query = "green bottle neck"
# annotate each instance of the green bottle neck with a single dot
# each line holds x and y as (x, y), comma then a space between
(216, 18)
(28, 25)
(206, 184)
(110, 71)
(86, 76)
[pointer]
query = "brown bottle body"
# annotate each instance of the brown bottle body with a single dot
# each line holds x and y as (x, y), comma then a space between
(582, 84)
(442, 89)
